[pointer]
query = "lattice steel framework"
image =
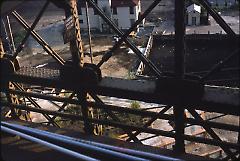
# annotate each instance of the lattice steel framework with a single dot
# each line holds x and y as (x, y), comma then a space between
(178, 91)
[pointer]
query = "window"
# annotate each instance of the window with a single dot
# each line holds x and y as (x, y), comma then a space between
(80, 21)
(131, 10)
(95, 12)
(115, 21)
(194, 21)
(79, 11)
(115, 10)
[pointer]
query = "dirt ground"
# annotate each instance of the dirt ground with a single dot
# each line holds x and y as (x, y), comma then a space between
(119, 65)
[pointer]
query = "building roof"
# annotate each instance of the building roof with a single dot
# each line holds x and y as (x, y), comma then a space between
(115, 3)
(194, 7)
(124, 3)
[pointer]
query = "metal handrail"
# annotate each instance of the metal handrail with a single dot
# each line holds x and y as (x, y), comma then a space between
(80, 142)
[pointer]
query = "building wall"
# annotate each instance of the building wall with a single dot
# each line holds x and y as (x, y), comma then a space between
(93, 19)
(124, 17)
(190, 17)
(105, 5)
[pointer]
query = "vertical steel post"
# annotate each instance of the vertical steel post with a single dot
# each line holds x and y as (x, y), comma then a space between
(10, 97)
(76, 43)
(77, 58)
(88, 127)
(89, 33)
(10, 34)
(1, 48)
(179, 67)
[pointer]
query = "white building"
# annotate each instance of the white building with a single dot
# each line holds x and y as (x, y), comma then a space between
(123, 12)
(193, 15)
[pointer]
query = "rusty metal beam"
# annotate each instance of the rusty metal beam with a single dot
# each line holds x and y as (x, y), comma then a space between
(21, 45)
(114, 117)
(149, 123)
(212, 133)
(36, 105)
(76, 42)
(153, 115)
(124, 126)
(92, 120)
(214, 99)
(38, 38)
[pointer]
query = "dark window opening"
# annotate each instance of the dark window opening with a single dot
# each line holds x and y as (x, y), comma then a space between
(115, 10)
(95, 11)
(79, 11)
(131, 10)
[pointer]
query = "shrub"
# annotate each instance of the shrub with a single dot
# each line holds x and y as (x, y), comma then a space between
(135, 105)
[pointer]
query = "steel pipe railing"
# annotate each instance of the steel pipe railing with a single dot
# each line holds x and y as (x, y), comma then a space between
(87, 149)
(50, 145)
(80, 142)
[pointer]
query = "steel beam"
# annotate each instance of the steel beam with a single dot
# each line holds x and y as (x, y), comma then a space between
(76, 42)
(63, 106)
(146, 61)
(109, 108)
(113, 116)
(217, 18)
(179, 69)
(82, 98)
(212, 133)
(35, 104)
(21, 45)
(38, 38)
(124, 126)
(89, 32)
(147, 124)
(10, 34)
(215, 99)
(217, 67)
(92, 120)
(126, 34)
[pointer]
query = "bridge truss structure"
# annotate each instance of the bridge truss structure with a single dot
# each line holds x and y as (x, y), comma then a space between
(84, 81)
